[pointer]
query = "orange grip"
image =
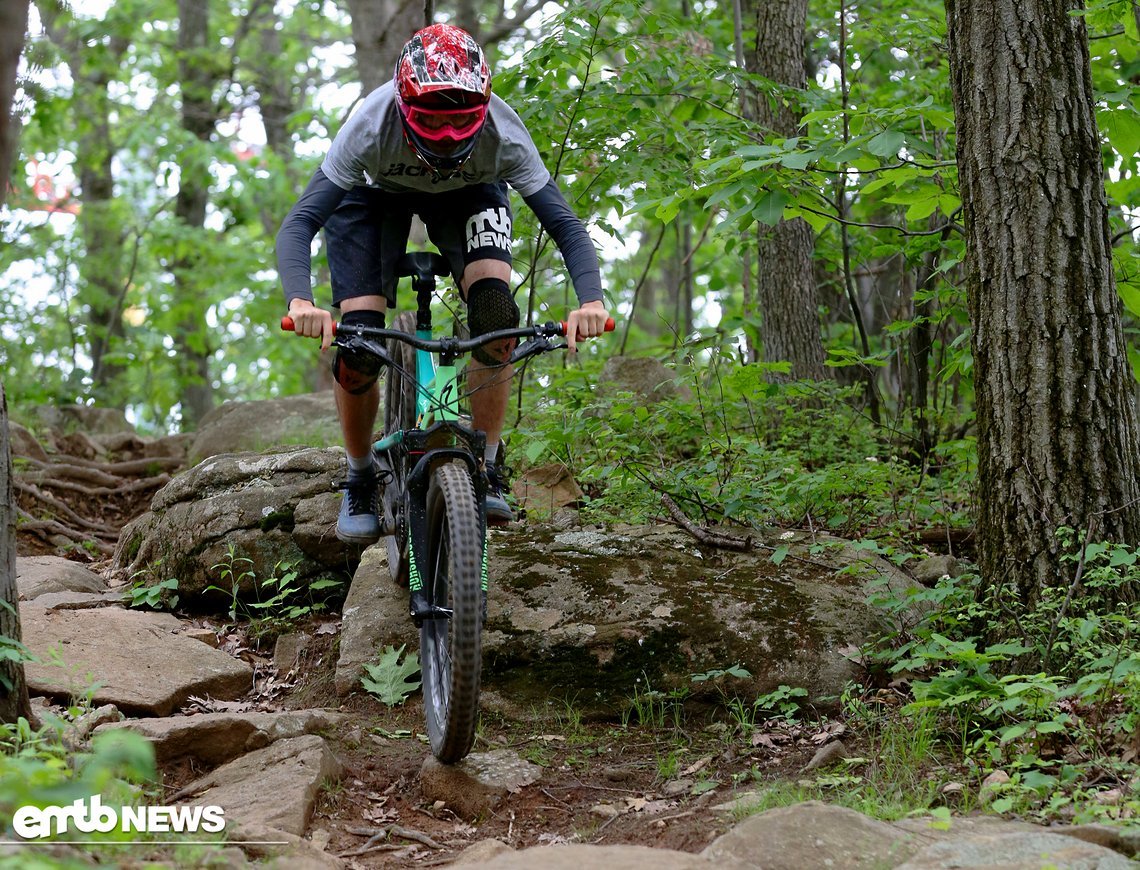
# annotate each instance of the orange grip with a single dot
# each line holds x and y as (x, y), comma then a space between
(609, 327)
(287, 324)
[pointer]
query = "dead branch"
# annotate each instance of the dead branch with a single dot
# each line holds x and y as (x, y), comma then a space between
(125, 488)
(709, 538)
(378, 834)
(75, 472)
(128, 466)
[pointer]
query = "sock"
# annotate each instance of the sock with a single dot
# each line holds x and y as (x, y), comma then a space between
(490, 452)
(360, 463)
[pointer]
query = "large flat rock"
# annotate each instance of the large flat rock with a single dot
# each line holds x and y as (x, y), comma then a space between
(215, 738)
(275, 787)
(139, 661)
(375, 614)
(39, 575)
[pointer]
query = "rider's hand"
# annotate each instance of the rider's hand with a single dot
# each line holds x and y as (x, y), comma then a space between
(311, 322)
(589, 321)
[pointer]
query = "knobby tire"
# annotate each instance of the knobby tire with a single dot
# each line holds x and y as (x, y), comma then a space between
(451, 649)
(399, 413)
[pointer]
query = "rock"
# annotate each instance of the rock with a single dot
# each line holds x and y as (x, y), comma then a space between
(577, 857)
(23, 443)
(646, 377)
(287, 651)
(484, 850)
(827, 754)
(39, 575)
(375, 615)
(604, 608)
(477, 784)
(814, 834)
(83, 418)
(215, 738)
(1126, 841)
(929, 571)
(77, 600)
(545, 490)
(991, 786)
(275, 787)
(275, 510)
(1016, 851)
(139, 660)
(240, 427)
(207, 636)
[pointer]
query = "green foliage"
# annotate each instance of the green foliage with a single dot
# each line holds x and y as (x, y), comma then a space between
(1055, 708)
(155, 596)
(389, 678)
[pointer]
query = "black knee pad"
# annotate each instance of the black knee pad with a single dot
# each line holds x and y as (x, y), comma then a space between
(357, 372)
(490, 306)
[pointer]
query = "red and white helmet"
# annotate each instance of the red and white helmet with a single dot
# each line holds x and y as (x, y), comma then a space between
(443, 85)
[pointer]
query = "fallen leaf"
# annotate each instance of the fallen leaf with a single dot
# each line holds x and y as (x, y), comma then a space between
(696, 765)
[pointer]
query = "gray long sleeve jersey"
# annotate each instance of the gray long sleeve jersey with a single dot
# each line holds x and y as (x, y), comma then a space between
(370, 149)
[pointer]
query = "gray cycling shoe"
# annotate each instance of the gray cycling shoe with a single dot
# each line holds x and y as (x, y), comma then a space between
(358, 522)
(498, 511)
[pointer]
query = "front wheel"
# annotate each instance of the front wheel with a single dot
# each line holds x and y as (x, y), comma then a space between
(399, 414)
(451, 648)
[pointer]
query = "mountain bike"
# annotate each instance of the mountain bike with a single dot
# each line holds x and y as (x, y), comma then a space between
(433, 508)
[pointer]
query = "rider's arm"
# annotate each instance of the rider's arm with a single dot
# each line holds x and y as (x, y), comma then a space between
(568, 232)
(295, 238)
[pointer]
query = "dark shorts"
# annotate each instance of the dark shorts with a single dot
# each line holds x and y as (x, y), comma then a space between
(368, 233)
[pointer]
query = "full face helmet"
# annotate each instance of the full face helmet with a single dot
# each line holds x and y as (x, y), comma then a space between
(443, 85)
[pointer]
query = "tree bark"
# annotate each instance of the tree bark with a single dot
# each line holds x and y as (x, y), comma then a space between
(13, 688)
(785, 291)
(197, 80)
(13, 26)
(379, 30)
(1057, 421)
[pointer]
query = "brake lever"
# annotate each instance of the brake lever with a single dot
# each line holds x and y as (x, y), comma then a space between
(531, 347)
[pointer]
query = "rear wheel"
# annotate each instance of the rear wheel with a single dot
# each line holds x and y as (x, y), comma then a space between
(451, 648)
(399, 414)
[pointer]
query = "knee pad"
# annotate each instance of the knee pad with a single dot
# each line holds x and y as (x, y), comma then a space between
(357, 372)
(490, 306)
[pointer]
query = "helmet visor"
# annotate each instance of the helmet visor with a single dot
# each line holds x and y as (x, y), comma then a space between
(438, 124)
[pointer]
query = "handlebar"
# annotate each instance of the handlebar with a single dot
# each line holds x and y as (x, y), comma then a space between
(546, 330)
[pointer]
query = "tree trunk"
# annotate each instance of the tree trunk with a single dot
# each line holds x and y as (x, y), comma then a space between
(379, 30)
(13, 25)
(1057, 421)
(102, 281)
(13, 689)
(198, 118)
(785, 291)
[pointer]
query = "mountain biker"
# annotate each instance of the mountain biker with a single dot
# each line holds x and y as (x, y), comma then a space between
(437, 143)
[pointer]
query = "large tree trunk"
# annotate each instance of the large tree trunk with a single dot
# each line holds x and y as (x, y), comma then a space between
(13, 689)
(1057, 422)
(789, 328)
(13, 25)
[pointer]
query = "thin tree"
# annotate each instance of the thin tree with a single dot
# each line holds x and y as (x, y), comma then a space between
(1057, 419)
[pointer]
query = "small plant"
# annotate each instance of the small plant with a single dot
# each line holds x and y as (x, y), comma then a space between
(389, 678)
(155, 596)
(652, 708)
(233, 573)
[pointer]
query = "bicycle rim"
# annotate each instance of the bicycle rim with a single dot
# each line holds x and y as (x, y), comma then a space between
(399, 414)
(451, 649)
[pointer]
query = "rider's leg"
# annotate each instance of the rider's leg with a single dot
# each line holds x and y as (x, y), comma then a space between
(363, 238)
(357, 410)
(489, 385)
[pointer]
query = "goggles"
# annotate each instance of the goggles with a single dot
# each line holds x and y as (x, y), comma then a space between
(434, 124)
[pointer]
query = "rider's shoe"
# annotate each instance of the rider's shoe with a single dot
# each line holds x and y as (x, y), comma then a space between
(358, 522)
(498, 511)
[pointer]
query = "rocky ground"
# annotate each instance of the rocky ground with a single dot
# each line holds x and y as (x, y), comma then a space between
(277, 730)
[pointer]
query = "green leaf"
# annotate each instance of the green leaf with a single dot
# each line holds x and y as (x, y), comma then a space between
(388, 678)
(770, 208)
(886, 144)
(780, 554)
